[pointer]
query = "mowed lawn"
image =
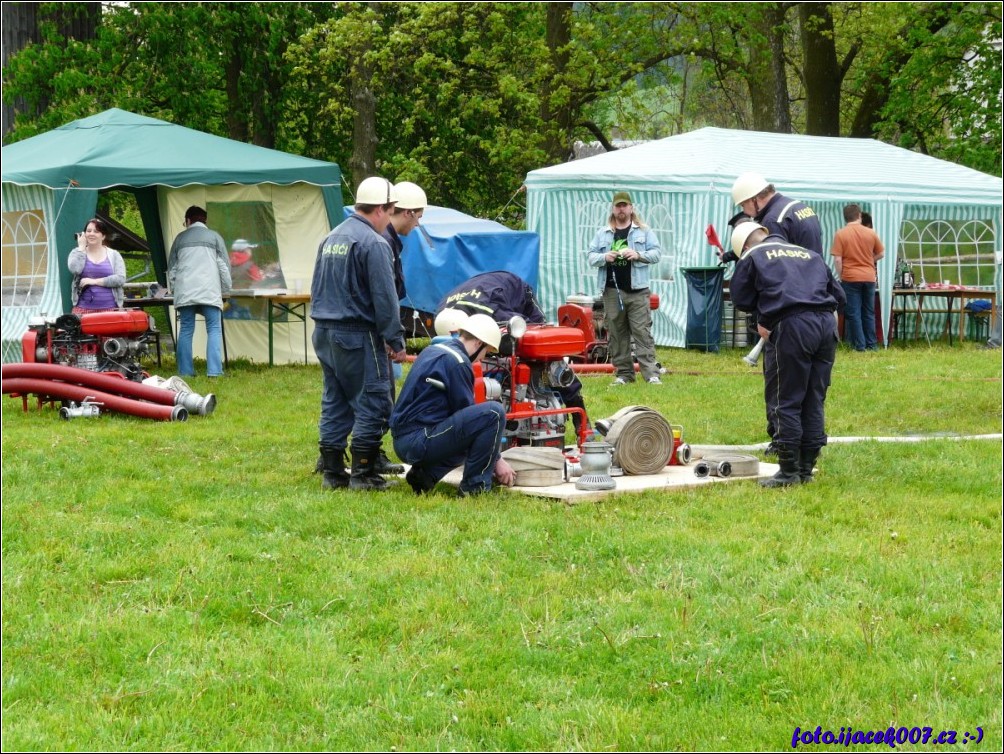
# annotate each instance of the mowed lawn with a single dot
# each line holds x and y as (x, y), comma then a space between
(189, 586)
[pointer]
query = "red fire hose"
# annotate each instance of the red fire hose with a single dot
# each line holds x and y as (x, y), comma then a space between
(106, 382)
(80, 393)
(596, 368)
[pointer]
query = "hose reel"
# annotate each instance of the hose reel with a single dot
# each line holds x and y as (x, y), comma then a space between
(642, 439)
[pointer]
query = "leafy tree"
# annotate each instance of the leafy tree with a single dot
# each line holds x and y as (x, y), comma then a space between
(925, 75)
(452, 108)
(217, 67)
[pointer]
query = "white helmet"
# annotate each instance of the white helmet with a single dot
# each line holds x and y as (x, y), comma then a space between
(376, 191)
(410, 196)
(449, 321)
(741, 232)
(484, 328)
(747, 186)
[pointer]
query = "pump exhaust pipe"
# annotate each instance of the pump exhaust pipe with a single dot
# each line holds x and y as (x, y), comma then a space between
(754, 355)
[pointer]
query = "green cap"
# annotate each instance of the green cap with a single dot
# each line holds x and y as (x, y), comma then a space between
(622, 197)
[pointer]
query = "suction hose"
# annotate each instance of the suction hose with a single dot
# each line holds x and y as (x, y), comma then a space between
(192, 402)
(80, 393)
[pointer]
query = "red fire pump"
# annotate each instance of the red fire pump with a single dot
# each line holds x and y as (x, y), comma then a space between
(98, 342)
(585, 313)
(525, 376)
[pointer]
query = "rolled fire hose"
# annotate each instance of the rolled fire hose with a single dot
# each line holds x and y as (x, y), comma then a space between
(727, 465)
(642, 440)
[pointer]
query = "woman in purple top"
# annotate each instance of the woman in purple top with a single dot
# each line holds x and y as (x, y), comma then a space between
(98, 272)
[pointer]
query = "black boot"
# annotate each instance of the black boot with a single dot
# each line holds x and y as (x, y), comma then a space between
(789, 473)
(333, 467)
(385, 466)
(364, 475)
(420, 483)
(806, 460)
(577, 402)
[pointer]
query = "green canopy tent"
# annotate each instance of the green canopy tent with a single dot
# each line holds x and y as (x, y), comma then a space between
(283, 203)
(682, 184)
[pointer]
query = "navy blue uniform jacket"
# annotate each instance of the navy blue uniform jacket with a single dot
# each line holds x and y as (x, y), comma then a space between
(794, 221)
(422, 404)
(353, 282)
(498, 294)
(775, 279)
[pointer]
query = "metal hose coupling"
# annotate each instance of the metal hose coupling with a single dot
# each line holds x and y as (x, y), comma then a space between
(196, 404)
(726, 466)
(88, 408)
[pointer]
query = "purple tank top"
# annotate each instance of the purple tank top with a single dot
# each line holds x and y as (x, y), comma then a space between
(97, 296)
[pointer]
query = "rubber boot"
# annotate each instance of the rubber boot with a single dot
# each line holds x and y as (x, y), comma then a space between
(418, 481)
(789, 474)
(386, 466)
(806, 460)
(364, 475)
(333, 467)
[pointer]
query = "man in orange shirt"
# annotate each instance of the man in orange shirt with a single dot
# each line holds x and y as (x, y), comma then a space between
(856, 250)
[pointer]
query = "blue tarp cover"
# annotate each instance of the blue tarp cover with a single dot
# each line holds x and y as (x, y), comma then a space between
(449, 247)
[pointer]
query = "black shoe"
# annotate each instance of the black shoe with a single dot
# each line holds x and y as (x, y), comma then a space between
(771, 450)
(420, 484)
(363, 475)
(334, 474)
(384, 465)
(788, 475)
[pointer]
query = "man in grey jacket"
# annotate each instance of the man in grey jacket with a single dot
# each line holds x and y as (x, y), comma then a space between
(198, 274)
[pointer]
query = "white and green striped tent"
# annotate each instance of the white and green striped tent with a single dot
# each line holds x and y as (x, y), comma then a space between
(682, 184)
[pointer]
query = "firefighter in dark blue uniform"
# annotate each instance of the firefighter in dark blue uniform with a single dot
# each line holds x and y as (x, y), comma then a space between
(502, 295)
(793, 220)
(790, 219)
(794, 296)
(437, 426)
(357, 325)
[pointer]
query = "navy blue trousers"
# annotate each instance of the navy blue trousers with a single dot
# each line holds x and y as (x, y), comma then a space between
(356, 397)
(472, 437)
(797, 371)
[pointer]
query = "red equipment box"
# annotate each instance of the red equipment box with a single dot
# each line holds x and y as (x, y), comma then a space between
(109, 324)
(549, 342)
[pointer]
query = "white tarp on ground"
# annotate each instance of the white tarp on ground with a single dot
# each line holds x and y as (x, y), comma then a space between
(682, 184)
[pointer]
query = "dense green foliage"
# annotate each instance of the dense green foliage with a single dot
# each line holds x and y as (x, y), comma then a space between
(189, 586)
(465, 98)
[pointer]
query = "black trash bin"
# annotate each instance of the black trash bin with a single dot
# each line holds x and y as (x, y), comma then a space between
(704, 307)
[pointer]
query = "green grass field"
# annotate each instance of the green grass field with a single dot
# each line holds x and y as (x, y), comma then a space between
(189, 586)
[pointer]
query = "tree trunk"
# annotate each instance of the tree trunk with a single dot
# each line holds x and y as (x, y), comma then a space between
(557, 117)
(821, 70)
(21, 28)
(766, 79)
(362, 163)
(237, 122)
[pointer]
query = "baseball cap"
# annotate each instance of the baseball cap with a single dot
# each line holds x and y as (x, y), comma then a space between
(622, 196)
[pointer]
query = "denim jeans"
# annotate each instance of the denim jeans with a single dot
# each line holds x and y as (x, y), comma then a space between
(214, 339)
(859, 316)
